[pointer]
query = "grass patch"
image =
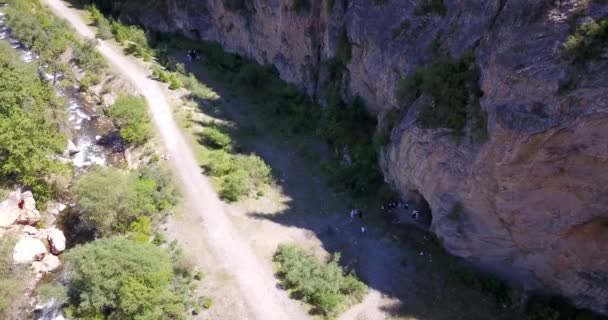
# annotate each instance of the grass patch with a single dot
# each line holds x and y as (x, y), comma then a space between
(322, 284)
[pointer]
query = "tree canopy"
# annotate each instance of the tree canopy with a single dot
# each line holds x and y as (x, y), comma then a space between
(112, 200)
(117, 278)
(130, 114)
(30, 118)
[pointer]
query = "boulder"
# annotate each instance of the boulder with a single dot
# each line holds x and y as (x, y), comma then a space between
(9, 210)
(28, 250)
(72, 149)
(56, 240)
(27, 209)
(31, 231)
(48, 263)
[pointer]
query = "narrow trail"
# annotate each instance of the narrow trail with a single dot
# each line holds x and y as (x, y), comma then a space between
(231, 249)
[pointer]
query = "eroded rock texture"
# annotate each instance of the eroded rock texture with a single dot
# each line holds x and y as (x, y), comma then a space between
(535, 193)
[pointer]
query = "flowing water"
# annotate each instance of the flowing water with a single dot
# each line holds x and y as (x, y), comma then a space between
(93, 140)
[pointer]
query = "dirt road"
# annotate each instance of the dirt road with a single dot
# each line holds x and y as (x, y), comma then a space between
(231, 249)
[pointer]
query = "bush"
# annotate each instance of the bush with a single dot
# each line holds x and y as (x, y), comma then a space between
(588, 40)
(31, 114)
(53, 292)
(219, 163)
(257, 170)
(87, 57)
(213, 137)
(130, 114)
(117, 278)
(235, 185)
(453, 85)
(323, 285)
(113, 201)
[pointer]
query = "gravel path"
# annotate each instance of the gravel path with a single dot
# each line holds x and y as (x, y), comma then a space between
(231, 249)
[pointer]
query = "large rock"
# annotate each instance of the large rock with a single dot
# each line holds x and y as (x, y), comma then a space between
(48, 263)
(534, 194)
(28, 214)
(28, 250)
(9, 210)
(56, 240)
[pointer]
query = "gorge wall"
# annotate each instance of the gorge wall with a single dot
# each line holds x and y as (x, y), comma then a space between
(535, 193)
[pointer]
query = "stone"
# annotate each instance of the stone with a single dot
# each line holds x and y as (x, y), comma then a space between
(72, 149)
(28, 214)
(30, 231)
(9, 210)
(56, 240)
(28, 250)
(48, 263)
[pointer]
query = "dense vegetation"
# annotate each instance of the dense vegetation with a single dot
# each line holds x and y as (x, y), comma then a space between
(50, 37)
(321, 284)
(115, 202)
(130, 115)
(588, 40)
(116, 278)
(453, 86)
(30, 118)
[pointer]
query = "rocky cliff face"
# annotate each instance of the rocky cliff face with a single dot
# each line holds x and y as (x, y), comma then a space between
(535, 193)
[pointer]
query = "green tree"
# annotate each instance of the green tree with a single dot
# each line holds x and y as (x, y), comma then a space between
(87, 57)
(321, 284)
(30, 118)
(130, 114)
(111, 200)
(116, 278)
(107, 199)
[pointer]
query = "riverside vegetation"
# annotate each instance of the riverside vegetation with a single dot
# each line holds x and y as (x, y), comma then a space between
(125, 270)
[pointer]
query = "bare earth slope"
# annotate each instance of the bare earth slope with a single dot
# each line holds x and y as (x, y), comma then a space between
(255, 279)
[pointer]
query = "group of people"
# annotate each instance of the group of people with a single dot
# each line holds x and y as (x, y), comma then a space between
(165, 156)
(415, 214)
(357, 213)
(192, 55)
(395, 205)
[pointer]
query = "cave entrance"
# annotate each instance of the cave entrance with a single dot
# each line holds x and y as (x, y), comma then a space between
(417, 202)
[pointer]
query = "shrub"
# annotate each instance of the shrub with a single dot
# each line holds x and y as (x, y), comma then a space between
(130, 114)
(588, 40)
(53, 292)
(117, 278)
(87, 57)
(235, 185)
(213, 137)
(453, 85)
(258, 171)
(113, 201)
(219, 163)
(104, 30)
(321, 284)
(208, 303)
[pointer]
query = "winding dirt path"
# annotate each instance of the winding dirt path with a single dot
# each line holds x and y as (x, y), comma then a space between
(231, 249)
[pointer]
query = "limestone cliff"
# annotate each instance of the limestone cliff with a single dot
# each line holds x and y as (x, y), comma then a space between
(535, 192)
